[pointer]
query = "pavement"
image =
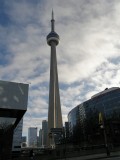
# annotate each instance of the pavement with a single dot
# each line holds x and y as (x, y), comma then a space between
(94, 156)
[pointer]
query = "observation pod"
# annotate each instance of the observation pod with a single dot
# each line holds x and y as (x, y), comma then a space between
(53, 37)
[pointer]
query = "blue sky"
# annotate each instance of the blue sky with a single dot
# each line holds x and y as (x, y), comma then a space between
(88, 54)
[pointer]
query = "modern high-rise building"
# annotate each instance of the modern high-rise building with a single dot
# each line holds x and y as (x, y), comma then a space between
(54, 112)
(17, 137)
(45, 132)
(88, 120)
(24, 139)
(24, 142)
(66, 131)
(13, 105)
(32, 137)
(40, 138)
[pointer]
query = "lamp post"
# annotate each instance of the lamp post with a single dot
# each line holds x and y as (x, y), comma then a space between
(102, 126)
(64, 138)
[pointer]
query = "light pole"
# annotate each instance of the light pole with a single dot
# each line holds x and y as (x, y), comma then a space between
(102, 126)
(42, 138)
(64, 138)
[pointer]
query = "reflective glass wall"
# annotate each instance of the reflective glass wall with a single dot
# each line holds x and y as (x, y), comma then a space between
(84, 120)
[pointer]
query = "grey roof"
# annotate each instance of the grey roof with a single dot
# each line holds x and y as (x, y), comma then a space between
(105, 91)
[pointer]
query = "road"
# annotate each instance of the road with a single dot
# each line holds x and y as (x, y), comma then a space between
(94, 157)
(110, 158)
(80, 158)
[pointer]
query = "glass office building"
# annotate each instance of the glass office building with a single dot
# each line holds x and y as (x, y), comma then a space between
(17, 137)
(87, 119)
(32, 137)
(45, 131)
(13, 105)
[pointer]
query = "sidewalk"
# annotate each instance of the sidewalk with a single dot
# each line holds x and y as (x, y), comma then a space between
(93, 157)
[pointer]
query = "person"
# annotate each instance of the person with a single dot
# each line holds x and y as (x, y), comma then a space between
(31, 154)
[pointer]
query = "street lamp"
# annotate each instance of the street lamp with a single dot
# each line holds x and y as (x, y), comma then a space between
(102, 126)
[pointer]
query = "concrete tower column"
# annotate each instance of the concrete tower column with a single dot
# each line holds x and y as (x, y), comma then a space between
(54, 111)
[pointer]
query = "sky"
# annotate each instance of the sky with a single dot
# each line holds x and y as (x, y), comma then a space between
(88, 54)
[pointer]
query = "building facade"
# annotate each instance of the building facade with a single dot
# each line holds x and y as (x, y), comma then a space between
(13, 105)
(66, 130)
(32, 137)
(40, 138)
(17, 137)
(24, 139)
(85, 120)
(24, 142)
(45, 132)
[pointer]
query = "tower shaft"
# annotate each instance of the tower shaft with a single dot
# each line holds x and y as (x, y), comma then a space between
(54, 114)
(54, 111)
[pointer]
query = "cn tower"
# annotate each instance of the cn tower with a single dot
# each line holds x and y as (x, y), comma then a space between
(54, 110)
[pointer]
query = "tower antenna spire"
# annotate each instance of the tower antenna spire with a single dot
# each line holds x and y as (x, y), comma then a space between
(52, 15)
(52, 22)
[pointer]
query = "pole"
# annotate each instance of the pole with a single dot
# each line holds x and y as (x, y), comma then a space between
(102, 126)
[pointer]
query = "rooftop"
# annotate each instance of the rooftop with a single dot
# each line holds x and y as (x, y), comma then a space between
(105, 91)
